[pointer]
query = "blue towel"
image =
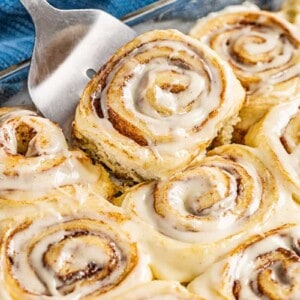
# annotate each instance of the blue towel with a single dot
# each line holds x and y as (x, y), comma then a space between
(17, 31)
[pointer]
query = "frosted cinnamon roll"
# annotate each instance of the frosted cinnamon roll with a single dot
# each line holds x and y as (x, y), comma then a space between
(156, 104)
(35, 159)
(264, 267)
(189, 220)
(277, 136)
(158, 290)
(264, 52)
(69, 254)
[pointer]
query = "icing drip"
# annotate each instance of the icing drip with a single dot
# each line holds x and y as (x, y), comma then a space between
(269, 267)
(262, 49)
(207, 202)
(35, 156)
(66, 257)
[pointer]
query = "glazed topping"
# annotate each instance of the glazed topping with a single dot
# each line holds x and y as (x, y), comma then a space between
(210, 200)
(168, 90)
(22, 132)
(35, 155)
(262, 48)
(69, 257)
(268, 268)
(164, 87)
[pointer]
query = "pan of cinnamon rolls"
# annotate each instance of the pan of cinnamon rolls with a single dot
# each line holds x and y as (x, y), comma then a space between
(182, 178)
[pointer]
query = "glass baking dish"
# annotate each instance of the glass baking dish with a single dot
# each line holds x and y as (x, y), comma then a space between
(178, 14)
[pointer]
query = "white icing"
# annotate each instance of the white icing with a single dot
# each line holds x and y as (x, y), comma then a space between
(215, 283)
(144, 76)
(184, 196)
(133, 91)
(274, 55)
(204, 87)
(43, 142)
(245, 270)
(110, 245)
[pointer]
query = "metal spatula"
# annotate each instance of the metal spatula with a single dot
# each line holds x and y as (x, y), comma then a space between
(69, 45)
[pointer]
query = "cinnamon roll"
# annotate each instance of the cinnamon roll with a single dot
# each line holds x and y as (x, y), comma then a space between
(158, 289)
(264, 52)
(156, 104)
(191, 219)
(264, 267)
(69, 254)
(35, 159)
(277, 136)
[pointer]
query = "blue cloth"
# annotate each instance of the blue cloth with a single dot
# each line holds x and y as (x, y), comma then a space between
(17, 31)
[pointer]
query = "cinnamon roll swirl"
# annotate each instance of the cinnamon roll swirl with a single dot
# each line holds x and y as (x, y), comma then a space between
(264, 267)
(277, 136)
(35, 159)
(264, 52)
(158, 290)
(156, 104)
(189, 220)
(69, 254)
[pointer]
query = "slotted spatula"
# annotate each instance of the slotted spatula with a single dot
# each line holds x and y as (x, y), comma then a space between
(69, 45)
